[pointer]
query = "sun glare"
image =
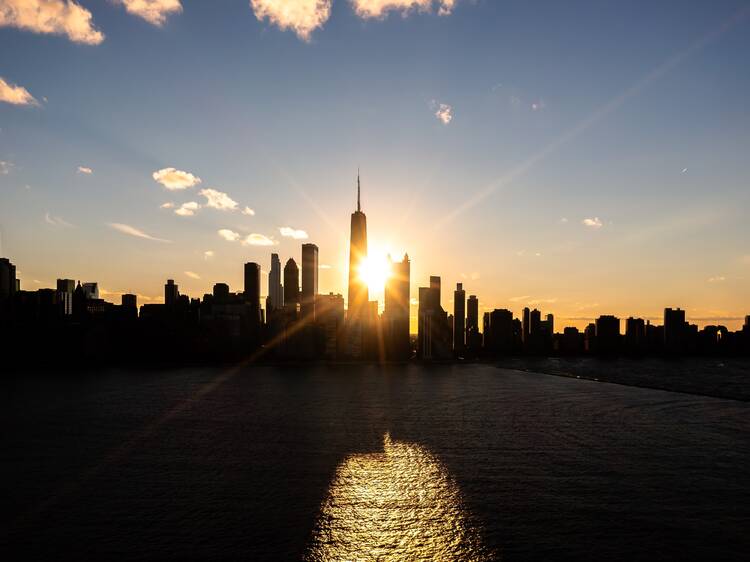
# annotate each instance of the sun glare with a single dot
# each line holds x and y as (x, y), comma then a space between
(374, 271)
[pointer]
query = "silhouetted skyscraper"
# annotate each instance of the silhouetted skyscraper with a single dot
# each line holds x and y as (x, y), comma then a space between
(459, 318)
(607, 334)
(291, 286)
(275, 299)
(473, 337)
(675, 330)
(309, 280)
(526, 322)
(171, 293)
(7, 278)
(358, 296)
(129, 301)
(221, 293)
(91, 290)
(65, 288)
(434, 339)
(396, 311)
(252, 285)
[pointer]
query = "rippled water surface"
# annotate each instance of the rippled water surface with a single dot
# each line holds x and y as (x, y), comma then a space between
(365, 463)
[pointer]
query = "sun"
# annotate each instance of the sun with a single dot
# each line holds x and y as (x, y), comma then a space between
(375, 271)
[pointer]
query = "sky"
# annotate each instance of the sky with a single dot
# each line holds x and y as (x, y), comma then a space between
(581, 157)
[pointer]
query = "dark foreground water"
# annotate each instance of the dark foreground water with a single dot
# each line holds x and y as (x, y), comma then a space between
(365, 463)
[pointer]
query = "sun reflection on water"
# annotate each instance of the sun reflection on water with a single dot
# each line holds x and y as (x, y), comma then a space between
(397, 505)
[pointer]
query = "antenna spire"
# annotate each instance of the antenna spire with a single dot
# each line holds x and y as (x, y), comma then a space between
(359, 206)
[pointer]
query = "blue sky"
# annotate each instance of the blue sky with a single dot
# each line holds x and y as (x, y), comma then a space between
(594, 160)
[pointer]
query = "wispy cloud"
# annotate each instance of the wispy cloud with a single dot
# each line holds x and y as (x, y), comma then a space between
(5, 167)
(153, 11)
(229, 235)
(56, 221)
(187, 209)
(175, 180)
(167, 205)
(594, 223)
(248, 211)
(717, 279)
(289, 232)
(443, 112)
(133, 231)
(301, 16)
(218, 200)
(380, 8)
(256, 239)
(85, 170)
(59, 17)
(208, 254)
(12, 94)
(192, 275)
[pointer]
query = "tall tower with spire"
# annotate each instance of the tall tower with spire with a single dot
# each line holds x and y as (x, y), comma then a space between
(358, 293)
(358, 296)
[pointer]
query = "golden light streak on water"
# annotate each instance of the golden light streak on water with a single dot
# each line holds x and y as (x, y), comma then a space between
(397, 505)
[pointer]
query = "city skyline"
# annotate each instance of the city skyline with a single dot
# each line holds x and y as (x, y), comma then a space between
(518, 164)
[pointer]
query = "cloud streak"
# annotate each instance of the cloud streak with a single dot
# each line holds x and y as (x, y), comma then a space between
(85, 170)
(136, 232)
(368, 9)
(13, 94)
(289, 232)
(218, 200)
(443, 112)
(56, 221)
(175, 180)
(300, 16)
(187, 209)
(256, 239)
(229, 235)
(154, 12)
(594, 223)
(58, 17)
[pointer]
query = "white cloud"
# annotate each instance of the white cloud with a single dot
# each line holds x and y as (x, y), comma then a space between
(594, 223)
(208, 254)
(12, 94)
(684, 171)
(443, 112)
(5, 167)
(153, 11)
(61, 17)
(187, 209)
(174, 179)
(218, 200)
(167, 205)
(192, 275)
(289, 232)
(132, 231)
(301, 16)
(248, 211)
(255, 239)
(229, 235)
(380, 8)
(717, 279)
(563, 220)
(56, 221)
(85, 170)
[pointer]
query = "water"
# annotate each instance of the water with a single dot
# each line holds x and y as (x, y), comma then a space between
(365, 463)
